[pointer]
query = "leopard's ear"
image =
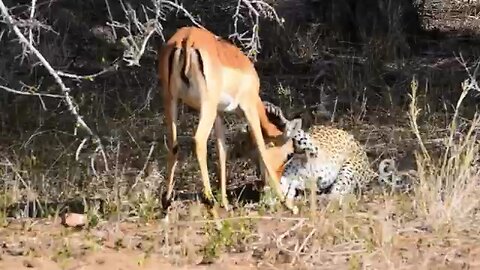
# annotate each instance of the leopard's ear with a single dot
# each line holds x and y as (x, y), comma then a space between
(387, 167)
(296, 123)
(292, 126)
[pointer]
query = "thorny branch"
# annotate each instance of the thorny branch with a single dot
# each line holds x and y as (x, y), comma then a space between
(256, 9)
(246, 12)
(134, 45)
(31, 93)
(32, 15)
(24, 93)
(65, 90)
(110, 16)
(113, 67)
(136, 40)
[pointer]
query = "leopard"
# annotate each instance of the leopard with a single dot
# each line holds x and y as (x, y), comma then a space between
(331, 156)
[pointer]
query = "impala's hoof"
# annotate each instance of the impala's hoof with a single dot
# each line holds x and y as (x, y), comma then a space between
(227, 207)
(208, 200)
(166, 202)
(289, 204)
(165, 219)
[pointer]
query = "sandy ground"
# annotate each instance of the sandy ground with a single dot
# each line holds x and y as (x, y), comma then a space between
(360, 239)
(47, 245)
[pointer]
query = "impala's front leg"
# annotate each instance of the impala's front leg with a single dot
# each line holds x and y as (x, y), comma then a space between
(222, 158)
(254, 122)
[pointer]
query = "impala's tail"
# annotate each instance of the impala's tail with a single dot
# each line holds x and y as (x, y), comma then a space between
(183, 45)
(187, 45)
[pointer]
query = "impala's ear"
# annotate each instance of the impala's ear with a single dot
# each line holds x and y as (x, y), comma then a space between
(292, 126)
(275, 114)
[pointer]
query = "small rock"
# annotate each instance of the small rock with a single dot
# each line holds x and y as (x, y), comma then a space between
(74, 220)
(100, 260)
(28, 264)
(16, 251)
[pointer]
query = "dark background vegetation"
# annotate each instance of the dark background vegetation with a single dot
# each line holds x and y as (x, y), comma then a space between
(357, 57)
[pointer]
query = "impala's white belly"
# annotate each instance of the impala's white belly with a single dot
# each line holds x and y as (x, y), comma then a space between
(227, 103)
(231, 82)
(191, 96)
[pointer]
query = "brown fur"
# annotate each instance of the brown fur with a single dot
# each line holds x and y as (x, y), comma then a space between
(277, 156)
(227, 55)
(207, 60)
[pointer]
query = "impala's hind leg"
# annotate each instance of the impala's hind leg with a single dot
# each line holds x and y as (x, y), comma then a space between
(171, 111)
(208, 114)
(222, 158)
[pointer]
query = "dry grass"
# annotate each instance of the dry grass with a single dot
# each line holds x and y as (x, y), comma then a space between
(434, 227)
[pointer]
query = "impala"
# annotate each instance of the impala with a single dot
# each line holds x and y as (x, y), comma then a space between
(212, 76)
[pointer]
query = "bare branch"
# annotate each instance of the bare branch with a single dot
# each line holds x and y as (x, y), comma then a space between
(18, 92)
(32, 15)
(111, 19)
(39, 95)
(255, 9)
(132, 57)
(79, 149)
(136, 44)
(113, 67)
(65, 90)
(141, 173)
(181, 8)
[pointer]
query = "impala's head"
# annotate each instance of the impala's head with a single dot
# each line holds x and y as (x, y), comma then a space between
(244, 143)
(278, 148)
